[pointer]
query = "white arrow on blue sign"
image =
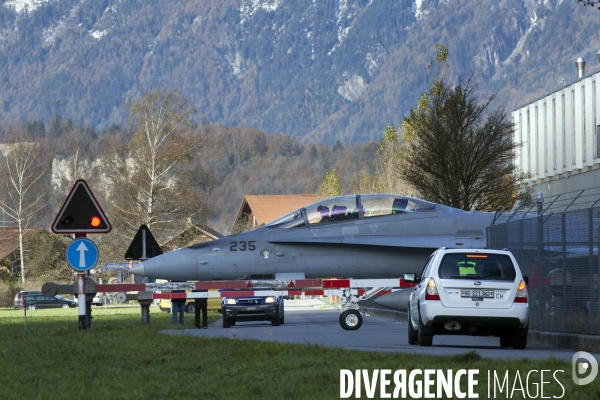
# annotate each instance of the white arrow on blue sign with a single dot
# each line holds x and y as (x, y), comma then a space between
(82, 254)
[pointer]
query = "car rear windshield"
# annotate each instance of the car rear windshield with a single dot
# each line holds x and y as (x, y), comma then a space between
(480, 266)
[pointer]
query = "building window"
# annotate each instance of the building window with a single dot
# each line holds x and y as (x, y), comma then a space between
(594, 117)
(528, 142)
(564, 131)
(537, 143)
(574, 154)
(554, 131)
(583, 122)
(598, 136)
(545, 140)
(521, 139)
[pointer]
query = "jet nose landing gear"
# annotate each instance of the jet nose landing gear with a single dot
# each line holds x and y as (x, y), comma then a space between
(352, 316)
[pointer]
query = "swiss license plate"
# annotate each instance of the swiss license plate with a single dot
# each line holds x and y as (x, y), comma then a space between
(477, 293)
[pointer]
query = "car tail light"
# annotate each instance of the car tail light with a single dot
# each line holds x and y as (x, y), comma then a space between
(521, 296)
(431, 292)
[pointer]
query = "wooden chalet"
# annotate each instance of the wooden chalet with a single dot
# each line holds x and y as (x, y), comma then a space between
(257, 210)
(194, 233)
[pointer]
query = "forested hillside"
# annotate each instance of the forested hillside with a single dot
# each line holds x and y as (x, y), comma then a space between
(319, 71)
(234, 161)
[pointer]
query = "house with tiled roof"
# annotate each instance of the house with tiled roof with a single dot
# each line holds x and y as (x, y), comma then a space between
(9, 242)
(192, 234)
(257, 210)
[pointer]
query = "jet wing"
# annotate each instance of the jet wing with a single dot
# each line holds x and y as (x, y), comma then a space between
(428, 242)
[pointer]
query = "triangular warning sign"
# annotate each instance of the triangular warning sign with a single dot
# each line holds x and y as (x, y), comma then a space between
(81, 213)
(143, 246)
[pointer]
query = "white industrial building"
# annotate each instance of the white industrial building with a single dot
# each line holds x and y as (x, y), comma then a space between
(560, 137)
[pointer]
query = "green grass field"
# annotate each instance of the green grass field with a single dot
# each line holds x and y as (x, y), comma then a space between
(119, 358)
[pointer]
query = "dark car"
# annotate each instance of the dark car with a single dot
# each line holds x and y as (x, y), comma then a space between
(252, 308)
(37, 300)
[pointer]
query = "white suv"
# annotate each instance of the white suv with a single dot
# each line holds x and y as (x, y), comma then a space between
(469, 292)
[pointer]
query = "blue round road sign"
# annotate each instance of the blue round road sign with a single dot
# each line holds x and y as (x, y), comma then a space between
(82, 254)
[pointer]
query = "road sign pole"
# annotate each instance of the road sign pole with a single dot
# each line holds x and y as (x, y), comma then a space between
(81, 297)
(81, 300)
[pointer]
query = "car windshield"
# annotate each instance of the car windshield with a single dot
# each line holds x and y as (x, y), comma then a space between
(479, 266)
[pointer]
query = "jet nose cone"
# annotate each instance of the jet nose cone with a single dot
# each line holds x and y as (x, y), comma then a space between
(180, 264)
(137, 270)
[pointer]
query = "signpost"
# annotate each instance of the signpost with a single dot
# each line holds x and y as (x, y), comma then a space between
(81, 214)
(142, 247)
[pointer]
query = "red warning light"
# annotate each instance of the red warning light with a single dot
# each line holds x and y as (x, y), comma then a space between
(95, 221)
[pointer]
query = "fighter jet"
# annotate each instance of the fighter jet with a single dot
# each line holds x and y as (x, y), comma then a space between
(354, 236)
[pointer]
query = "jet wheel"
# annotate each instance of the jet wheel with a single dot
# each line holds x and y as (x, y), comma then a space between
(351, 320)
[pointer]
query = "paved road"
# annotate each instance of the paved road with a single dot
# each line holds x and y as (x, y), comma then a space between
(309, 321)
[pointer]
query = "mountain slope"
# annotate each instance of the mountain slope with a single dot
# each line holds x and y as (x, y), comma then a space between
(319, 70)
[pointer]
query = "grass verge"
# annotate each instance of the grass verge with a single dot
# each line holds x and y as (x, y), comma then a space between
(119, 358)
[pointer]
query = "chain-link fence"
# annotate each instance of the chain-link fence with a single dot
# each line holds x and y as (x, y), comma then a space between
(557, 248)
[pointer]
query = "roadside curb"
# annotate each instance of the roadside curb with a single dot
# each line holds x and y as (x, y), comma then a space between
(565, 340)
(587, 343)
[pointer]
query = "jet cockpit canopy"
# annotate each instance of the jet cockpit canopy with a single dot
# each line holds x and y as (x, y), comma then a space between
(350, 207)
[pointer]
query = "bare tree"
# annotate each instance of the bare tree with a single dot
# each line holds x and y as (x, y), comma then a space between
(456, 151)
(152, 179)
(23, 169)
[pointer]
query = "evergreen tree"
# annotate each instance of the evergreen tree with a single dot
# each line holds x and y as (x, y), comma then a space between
(56, 126)
(68, 126)
(38, 129)
(456, 151)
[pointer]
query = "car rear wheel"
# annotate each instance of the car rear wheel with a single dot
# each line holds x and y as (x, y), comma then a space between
(351, 320)
(65, 306)
(505, 340)
(519, 341)
(226, 323)
(191, 308)
(413, 337)
(425, 335)
(31, 307)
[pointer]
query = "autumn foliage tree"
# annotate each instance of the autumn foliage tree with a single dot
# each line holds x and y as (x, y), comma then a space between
(331, 186)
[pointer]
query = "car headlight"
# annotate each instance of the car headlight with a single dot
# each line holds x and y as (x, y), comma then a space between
(229, 301)
(270, 300)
